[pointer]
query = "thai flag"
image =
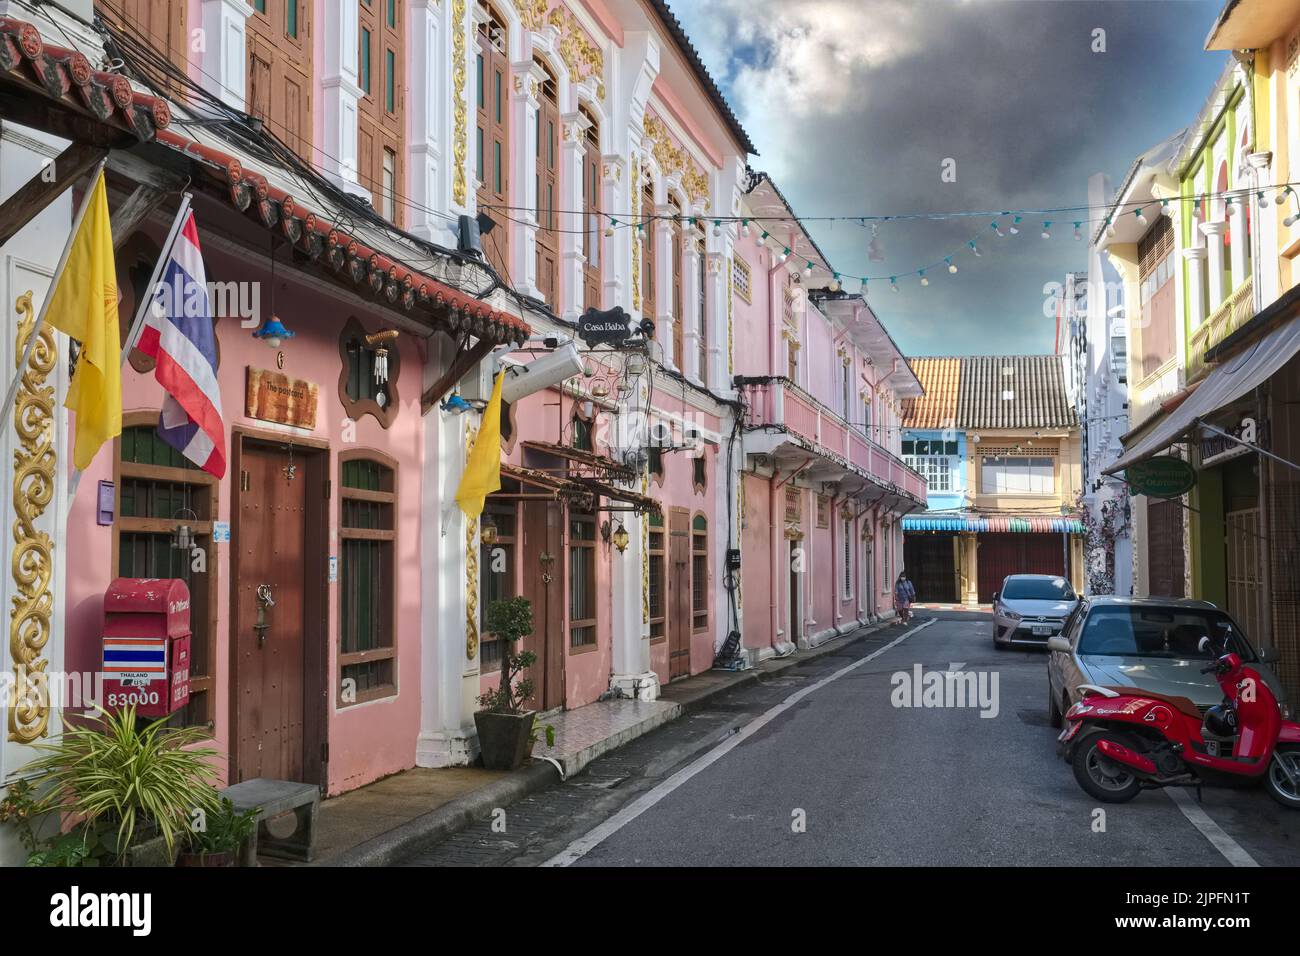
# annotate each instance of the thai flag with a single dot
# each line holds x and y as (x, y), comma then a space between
(178, 334)
(132, 656)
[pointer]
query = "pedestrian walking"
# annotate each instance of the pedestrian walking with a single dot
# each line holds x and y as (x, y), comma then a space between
(904, 596)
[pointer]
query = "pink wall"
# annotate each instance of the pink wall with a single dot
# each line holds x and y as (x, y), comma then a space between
(368, 740)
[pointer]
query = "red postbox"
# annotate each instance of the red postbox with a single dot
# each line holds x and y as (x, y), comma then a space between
(147, 645)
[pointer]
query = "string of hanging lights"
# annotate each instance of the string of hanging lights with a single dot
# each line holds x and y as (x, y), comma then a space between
(1002, 224)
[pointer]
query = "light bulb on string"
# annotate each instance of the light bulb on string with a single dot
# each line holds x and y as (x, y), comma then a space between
(785, 254)
(1141, 218)
(1078, 230)
(1047, 229)
(764, 235)
(1015, 226)
(893, 283)
(996, 231)
(924, 279)
(808, 270)
(1282, 194)
(609, 230)
(1263, 200)
(1110, 227)
(744, 228)
(717, 227)
(952, 266)
(874, 252)
(973, 247)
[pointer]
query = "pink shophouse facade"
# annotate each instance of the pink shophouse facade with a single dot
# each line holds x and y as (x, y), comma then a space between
(731, 488)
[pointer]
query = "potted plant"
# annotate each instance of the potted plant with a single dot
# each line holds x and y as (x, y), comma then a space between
(219, 840)
(505, 730)
(132, 785)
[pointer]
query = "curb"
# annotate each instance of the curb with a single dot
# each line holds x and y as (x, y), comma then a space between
(447, 820)
(459, 814)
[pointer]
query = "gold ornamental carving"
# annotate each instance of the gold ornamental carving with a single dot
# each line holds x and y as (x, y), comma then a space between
(583, 57)
(471, 572)
(460, 134)
(636, 236)
(731, 328)
(645, 551)
(673, 158)
(532, 14)
(35, 461)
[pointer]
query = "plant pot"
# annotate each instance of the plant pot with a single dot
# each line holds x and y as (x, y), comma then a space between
(224, 858)
(151, 852)
(506, 740)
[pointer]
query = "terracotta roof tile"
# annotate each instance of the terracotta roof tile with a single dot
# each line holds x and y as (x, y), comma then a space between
(937, 408)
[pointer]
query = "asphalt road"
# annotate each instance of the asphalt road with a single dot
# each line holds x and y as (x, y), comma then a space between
(841, 776)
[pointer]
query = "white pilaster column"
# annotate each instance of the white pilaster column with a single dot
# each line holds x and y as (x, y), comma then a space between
(449, 678)
(616, 261)
(524, 104)
(573, 127)
(715, 305)
(665, 320)
(225, 58)
(632, 676)
(427, 178)
(1266, 230)
(1238, 253)
(689, 360)
(1196, 258)
(341, 93)
(1213, 233)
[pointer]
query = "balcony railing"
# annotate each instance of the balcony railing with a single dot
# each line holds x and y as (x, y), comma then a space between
(1236, 310)
(778, 401)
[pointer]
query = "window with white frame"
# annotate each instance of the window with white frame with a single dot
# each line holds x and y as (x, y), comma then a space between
(740, 278)
(936, 471)
(1018, 476)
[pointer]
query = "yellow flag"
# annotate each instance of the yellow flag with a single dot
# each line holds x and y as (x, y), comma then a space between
(84, 306)
(483, 467)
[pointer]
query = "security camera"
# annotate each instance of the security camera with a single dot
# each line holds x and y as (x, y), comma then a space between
(551, 369)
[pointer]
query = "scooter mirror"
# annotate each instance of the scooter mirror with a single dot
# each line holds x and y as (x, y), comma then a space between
(1204, 645)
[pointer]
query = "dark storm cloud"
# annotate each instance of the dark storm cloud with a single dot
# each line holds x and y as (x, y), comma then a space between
(855, 105)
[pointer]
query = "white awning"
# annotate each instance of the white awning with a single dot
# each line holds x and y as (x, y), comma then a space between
(1226, 382)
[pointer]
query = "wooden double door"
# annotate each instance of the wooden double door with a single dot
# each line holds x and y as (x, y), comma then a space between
(278, 535)
(544, 586)
(679, 594)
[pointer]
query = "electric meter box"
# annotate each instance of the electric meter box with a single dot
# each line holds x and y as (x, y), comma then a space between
(147, 646)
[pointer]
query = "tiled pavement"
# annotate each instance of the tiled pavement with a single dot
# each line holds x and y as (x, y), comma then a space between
(583, 734)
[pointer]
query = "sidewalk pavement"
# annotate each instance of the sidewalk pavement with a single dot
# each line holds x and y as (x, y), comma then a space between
(410, 811)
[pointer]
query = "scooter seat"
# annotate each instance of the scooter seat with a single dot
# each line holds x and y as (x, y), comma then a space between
(1183, 704)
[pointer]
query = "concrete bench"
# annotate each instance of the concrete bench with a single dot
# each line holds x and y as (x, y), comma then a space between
(275, 798)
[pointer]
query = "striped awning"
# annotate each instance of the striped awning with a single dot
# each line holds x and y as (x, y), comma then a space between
(1031, 524)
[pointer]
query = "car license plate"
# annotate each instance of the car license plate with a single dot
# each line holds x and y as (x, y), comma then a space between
(1042, 630)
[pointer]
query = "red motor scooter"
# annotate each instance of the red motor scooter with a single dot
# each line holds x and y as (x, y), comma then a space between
(1121, 740)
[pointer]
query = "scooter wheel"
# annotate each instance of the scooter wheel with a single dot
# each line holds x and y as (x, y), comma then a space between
(1282, 786)
(1100, 776)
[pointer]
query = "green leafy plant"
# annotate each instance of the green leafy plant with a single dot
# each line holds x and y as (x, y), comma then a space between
(540, 729)
(21, 809)
(225, 830)
(511, 620)
(118, 775)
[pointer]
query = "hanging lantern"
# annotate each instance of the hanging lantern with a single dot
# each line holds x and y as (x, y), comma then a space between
(488, 533)
(620, 538)
(273, 332)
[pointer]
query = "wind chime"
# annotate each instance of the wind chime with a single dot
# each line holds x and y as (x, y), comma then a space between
(378, 343)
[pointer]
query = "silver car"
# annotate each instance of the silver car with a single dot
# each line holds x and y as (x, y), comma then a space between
(1145, 643)
(1031, 608)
